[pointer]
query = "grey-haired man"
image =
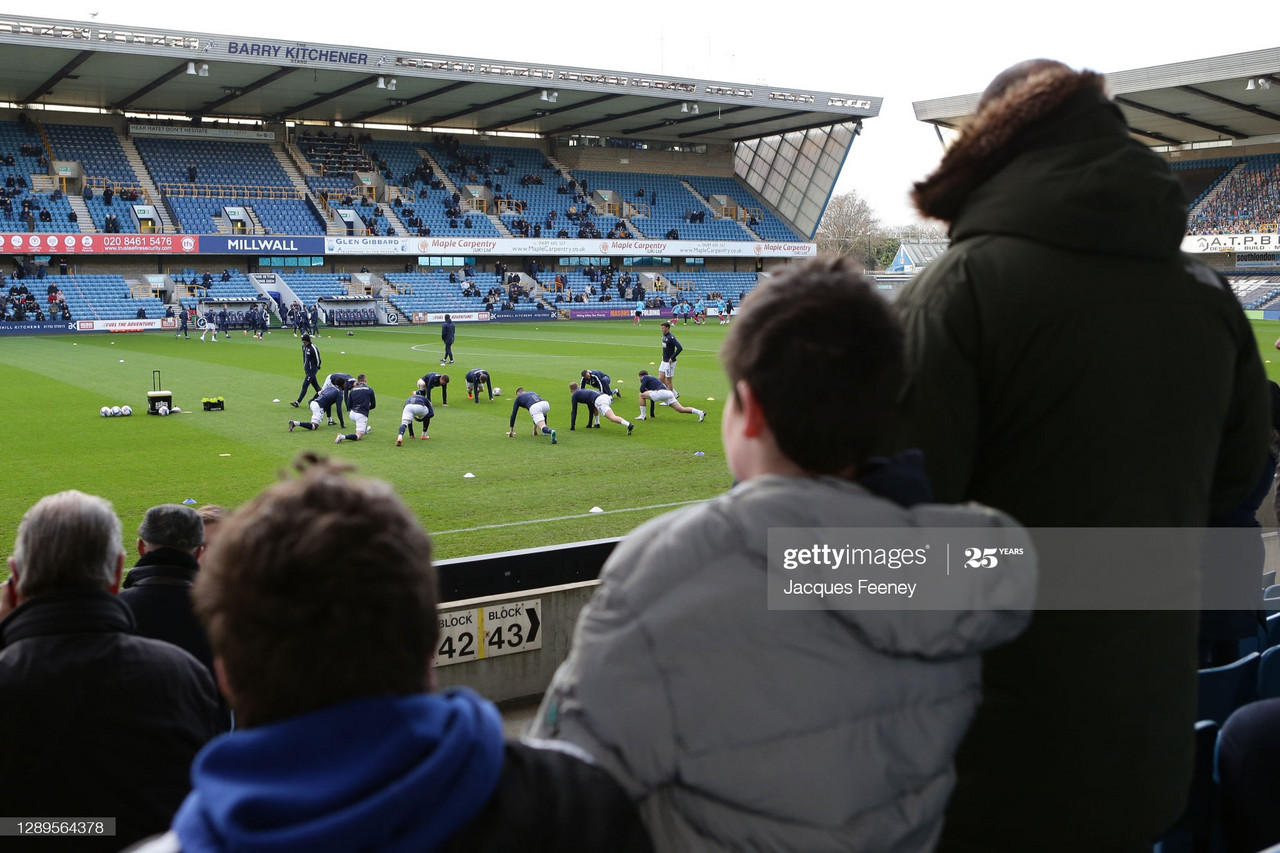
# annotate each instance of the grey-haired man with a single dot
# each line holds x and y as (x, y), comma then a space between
(102, 722)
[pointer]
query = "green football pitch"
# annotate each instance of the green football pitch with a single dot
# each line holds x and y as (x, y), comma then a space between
(1268, 332)
(525, 492)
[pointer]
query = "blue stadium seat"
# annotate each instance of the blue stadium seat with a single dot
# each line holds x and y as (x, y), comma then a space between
(1225, 688)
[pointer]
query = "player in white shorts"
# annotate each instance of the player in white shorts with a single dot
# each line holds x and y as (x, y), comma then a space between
(671, 350)
(360, 401)
(418, 408)
(601, 403)
(653, 391)
(537, 408)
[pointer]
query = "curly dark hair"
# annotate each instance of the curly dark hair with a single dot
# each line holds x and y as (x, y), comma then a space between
(318, 591)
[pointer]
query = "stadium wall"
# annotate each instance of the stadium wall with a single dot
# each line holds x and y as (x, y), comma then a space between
(561, 579)
(716, 162)
(513, 677)
(1214, 153)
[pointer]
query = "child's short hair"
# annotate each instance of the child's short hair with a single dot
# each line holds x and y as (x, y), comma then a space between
(823, 354)
(320, 590)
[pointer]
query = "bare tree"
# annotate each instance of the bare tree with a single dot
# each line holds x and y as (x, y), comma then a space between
(921, 232)
(849, 227)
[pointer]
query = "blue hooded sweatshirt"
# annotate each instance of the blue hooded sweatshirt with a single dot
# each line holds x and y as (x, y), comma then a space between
(376, 774)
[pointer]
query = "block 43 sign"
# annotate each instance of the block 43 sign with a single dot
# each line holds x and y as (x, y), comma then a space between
(486, 632)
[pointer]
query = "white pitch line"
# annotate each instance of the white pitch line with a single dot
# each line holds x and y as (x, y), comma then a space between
(561, 518)
(435, 347)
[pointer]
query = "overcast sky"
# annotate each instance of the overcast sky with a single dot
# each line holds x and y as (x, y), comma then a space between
(902, 52)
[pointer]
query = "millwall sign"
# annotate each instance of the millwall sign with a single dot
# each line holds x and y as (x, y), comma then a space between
(232, 244)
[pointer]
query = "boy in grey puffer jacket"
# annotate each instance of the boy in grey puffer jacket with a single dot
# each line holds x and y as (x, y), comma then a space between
(737, 727)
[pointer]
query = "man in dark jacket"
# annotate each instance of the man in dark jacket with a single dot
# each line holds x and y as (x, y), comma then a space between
(102, 723)
(310, 366)
(1032, 391)
(158, 588)
(447, 332)
(320, 600)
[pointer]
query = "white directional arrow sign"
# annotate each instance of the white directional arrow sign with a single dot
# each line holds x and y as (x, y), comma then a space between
(485, 632)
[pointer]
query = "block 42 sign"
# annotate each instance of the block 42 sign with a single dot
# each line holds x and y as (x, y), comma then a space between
(486, 632)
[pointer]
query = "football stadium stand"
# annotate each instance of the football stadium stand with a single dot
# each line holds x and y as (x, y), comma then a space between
(106, 297)
(1244, 197)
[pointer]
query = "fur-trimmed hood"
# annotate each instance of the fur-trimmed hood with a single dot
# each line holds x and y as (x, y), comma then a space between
(1051, 158)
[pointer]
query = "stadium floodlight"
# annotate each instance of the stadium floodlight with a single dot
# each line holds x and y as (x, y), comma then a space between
(1258, 83)
(191, 69)
(391, 85)
(203, 69)
(689, 107)
(549, 96)
(382, 82)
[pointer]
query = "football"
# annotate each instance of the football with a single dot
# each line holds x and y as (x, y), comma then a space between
(497, 392)
(115, 411)
(105, 411)
(164, 411)
(126, 410)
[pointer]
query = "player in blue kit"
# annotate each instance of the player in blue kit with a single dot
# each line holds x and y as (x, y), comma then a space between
(598, 404)
(599, 380)
(671, 349)
(360, 401)
(652, 389)
(327, 397)
(310, 365)
(341, 381)
(416, 408)
(537, 408)
(475, 379)
(435, 380)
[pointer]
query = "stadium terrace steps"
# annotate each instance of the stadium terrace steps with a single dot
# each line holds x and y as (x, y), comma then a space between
(86, 221)
(168, 218)
(396, 227)
(300, 161)
(289, 167)
(706, 205)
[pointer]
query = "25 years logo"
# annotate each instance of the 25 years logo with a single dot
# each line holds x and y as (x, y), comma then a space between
(986, 558)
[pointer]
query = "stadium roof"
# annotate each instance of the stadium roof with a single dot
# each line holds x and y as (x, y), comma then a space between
(1221, 100)
(164, 72)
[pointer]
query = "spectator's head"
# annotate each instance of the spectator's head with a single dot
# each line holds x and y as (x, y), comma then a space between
(66, 541)
(319, 591)
(212, 515)
(1016, 75)
(171, 526)
(819, 323)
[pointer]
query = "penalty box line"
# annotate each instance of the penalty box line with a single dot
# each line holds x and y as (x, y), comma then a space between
(435, 533)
